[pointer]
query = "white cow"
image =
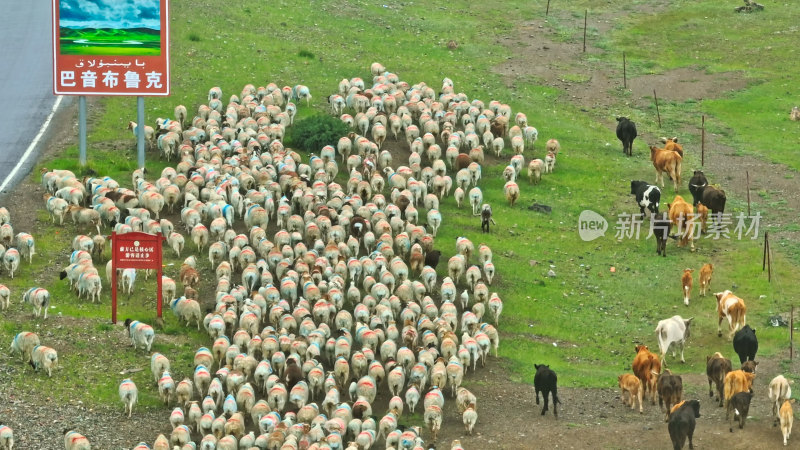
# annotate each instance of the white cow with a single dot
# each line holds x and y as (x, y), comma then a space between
(672, 331)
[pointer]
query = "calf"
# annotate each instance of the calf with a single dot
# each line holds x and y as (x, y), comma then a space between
(705, 277)
(696, 185)
(681, 214)
(672, 331)
(686, 285)
(745, 344)
(647, 196)
(670, 391)
(666, 161)
(631, 386)
(546, 382)
(626, 132)
(432, 258)
(644, 365)
(736, 381)
(787, 417)
(779, 391)
(682, 423)
(660, 226)
(486, 217)
(740, 404)
(717, 367)
(732, 308)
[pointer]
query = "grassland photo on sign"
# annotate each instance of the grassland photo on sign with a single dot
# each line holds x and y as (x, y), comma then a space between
(110, 27)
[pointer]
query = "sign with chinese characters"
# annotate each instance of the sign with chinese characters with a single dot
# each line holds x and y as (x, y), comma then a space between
(135, 250)
(111, 47)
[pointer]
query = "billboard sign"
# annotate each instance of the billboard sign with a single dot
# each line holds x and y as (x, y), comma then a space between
(111, 47)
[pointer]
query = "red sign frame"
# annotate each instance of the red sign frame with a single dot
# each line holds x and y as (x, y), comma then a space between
(135, 250)
(91, 61)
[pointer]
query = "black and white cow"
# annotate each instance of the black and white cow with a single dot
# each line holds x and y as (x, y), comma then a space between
(745, 344)
(696, 185)
(626, 132)
(647, 196)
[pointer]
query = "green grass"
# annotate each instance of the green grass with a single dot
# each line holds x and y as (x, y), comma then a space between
(593, 316)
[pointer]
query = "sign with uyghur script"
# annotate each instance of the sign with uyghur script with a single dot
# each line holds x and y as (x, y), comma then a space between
(111, 47)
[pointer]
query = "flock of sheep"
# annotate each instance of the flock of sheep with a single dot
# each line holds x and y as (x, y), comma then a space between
(340, 300)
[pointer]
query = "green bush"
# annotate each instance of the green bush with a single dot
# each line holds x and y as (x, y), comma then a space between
(315, 132)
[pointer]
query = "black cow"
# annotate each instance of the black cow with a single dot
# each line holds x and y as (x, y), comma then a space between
(670, 390)
(661, 225)
(745, 344)
(432, 258)
(647, 196)
(696, 184)
(626, 132)
(740, 404)
(714, 199)
(682, 423)
(546, 382)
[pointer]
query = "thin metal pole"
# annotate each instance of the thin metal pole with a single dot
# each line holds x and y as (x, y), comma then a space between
(140, 130)
(703, 142)
(791, 334)
(657, 112)
(747, 173)
(585, 15)
(624, 74)
(82, 130)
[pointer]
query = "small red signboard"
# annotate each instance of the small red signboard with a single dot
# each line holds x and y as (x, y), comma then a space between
(134, 250)
(111, 47)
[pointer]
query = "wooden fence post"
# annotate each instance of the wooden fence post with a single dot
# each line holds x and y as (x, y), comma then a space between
(547, 11)
(657, 112)
(703, 142)
(791, 334)
(747, 173)
(624, 75)
(585, 15)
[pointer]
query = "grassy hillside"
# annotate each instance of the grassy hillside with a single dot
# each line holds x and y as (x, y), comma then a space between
(586, 320)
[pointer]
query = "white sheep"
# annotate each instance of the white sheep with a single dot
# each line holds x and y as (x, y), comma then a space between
(44, 358)
(6, 438)
(535, 169)
(23, 343)
(475, 199)
(76, 441)
(11, 261)
(511, 190)
(128, 393)
(187, 309)
(5, 297)
(176, 242)
(140, 333)
(549, 162)
(39, 298)
(57, 207)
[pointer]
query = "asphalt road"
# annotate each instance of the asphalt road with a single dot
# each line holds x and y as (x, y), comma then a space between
(26, 83)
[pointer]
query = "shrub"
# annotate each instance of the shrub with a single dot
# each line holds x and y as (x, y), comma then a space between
(315, 132)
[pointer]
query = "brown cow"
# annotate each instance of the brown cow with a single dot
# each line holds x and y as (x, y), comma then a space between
(732, 308)
(666, 161)
(672, 144)
(717, 366)
(670, 391)
(681, 215)
(736, 381)
(645, 365)
(705, 277)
